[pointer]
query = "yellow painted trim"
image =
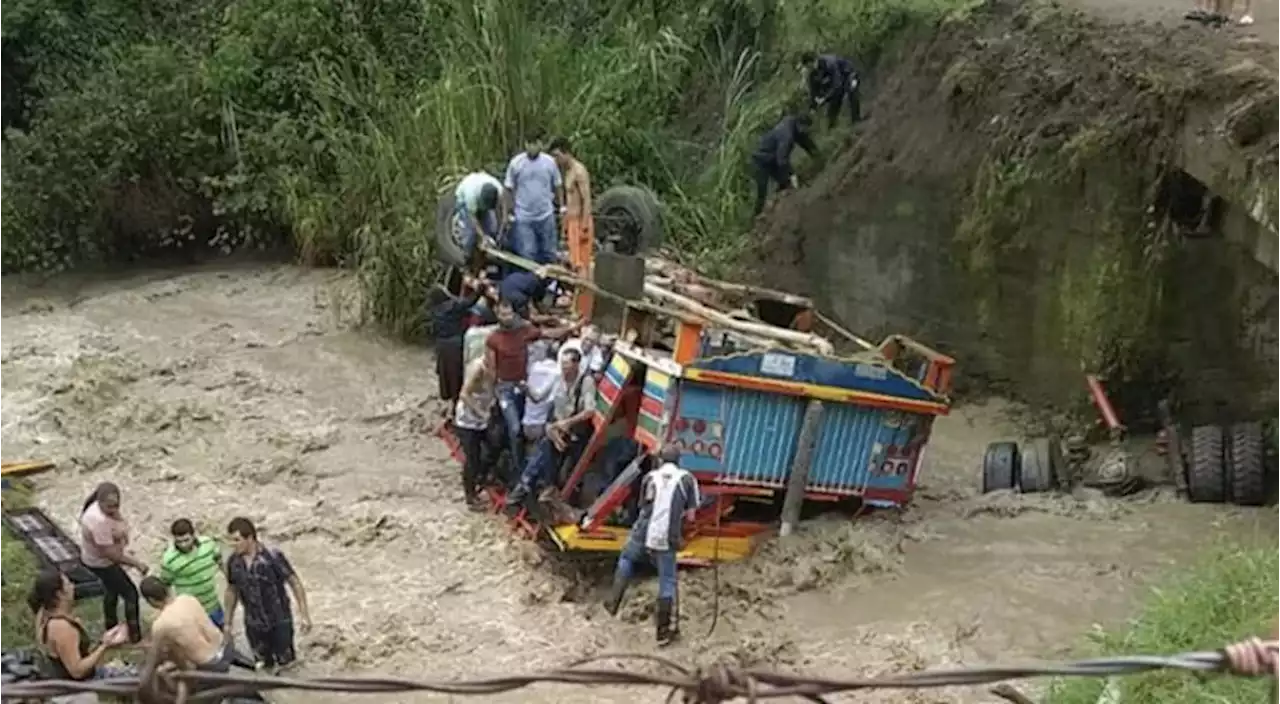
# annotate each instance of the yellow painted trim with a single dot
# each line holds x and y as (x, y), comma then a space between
(823, 393)
(658, 378)
(614, 538)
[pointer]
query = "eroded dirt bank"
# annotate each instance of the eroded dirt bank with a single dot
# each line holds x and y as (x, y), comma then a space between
(1014, 196)
(213, 393)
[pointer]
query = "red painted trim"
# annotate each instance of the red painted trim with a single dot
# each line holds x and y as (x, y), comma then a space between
(652, 407)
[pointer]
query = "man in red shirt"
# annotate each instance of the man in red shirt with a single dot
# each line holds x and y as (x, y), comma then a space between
(508, 351)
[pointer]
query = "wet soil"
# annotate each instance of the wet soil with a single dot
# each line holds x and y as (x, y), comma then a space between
(243, 391)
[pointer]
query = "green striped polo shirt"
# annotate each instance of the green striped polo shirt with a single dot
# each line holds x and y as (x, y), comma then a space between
(194, 572)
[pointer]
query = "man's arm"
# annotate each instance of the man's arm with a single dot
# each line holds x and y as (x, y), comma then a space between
(557, 333)
(231, 599)
(805, 142)
(295, 585)
(558, 181)
(509, 188)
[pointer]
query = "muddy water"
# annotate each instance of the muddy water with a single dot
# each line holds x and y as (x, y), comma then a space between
(244, 391)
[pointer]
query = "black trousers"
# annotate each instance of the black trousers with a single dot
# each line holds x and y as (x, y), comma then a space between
(449, 368)
(472, 442)
(273, 645)
(764, 172)
(117, 586)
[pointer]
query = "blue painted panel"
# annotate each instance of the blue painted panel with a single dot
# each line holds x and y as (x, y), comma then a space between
(862, 447)
(823, 371)
(761, 431)
(698, 402)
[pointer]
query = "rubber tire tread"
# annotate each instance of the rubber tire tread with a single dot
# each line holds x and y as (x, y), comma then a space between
(642, 206)
(1000, 466)
(1035, 467)
(447, 249)
(1206, 478)
(1246, 472)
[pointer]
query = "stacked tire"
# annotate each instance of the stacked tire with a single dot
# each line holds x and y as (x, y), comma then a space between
(1228, 465)
(1031, 469)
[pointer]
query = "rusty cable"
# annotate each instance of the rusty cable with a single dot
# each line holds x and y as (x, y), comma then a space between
(720, 683)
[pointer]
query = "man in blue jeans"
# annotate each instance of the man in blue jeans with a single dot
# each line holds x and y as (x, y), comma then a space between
(534, 194)
(574, 402)
(668, 496)
(508, 350)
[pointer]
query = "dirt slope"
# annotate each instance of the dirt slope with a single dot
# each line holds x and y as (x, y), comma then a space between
(212, 393)
(1005, 200)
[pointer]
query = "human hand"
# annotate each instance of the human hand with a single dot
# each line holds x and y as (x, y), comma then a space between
(305, 626)
(795, 182)
(117, 636)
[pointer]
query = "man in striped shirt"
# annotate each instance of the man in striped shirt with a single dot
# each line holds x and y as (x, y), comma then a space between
(191, 567)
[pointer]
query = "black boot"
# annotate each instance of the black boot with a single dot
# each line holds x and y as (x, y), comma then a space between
(666, 633)
(614, 602)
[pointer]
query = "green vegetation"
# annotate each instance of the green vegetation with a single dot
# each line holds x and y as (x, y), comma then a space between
(136, 130)
(19, 567)
(1228, 597)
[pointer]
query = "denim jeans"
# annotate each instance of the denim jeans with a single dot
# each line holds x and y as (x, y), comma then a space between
(470, 228)
(511, 405)
(665, 560)
(546, 459)
(536, 239)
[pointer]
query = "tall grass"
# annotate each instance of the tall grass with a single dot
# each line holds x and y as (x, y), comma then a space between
(342, 122)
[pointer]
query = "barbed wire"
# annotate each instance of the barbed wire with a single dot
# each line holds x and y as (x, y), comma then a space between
(721, 683)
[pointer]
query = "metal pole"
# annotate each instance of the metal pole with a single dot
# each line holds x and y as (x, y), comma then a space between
(799, 477)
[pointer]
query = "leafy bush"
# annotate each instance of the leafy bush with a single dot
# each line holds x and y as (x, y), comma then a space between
(221, 125)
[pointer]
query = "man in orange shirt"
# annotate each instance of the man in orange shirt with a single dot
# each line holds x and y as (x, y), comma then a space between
(579, 229)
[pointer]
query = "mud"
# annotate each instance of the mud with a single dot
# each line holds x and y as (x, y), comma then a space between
(214, 393)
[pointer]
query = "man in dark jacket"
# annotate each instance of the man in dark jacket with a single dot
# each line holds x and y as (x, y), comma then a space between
(449, 315)
(772, 158)
(831, 79)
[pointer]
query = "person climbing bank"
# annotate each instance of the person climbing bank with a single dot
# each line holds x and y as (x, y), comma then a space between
(191, 566)
(772, 158)
(668, 496)
(104, 535)
(534, 192)
(470, 423)
(476, 200)
(832, 80)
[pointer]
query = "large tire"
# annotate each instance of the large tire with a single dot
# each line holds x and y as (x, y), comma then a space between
(1246, 473)
(628, 220)
(448, 250)
(1036, 472)
(1206, 480)
(1000, 467)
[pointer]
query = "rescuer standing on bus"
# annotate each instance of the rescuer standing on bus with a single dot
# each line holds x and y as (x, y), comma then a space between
(668, 495)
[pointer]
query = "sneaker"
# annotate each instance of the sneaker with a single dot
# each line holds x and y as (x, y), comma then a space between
(1245, 21)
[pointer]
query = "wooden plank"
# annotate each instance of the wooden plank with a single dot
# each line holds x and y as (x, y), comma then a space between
(28, 467)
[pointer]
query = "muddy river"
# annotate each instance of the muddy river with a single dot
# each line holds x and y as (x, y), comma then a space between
(247, 390)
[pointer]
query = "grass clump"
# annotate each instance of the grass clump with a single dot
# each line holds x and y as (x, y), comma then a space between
(1229, 596)
(227, 125)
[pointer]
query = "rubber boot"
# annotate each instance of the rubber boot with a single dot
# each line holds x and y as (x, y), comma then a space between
(616, 592)
(666, 634)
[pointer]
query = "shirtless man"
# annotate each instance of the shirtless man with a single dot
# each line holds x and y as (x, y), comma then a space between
(182, 634)
(578, 226)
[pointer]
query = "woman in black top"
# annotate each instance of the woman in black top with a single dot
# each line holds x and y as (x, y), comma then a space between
(64, 643)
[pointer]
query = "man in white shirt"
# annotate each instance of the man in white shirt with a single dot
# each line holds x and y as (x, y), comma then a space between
(573, 401)
(668, 496)
(476, 200)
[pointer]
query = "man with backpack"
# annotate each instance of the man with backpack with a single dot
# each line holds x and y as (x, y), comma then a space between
(573, 403)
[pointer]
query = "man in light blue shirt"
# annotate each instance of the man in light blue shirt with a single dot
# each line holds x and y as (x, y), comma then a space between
(535, 192)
